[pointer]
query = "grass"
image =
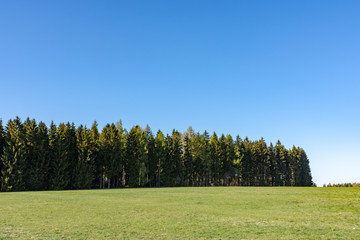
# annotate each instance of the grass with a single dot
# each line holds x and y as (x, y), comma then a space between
(183, 213)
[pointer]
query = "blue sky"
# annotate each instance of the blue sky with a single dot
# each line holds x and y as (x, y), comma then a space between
(285, 70)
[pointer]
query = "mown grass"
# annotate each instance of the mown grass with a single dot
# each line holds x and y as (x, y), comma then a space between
(183, 213)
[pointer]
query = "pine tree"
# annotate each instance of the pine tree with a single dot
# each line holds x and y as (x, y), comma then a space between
(136, 157)
(228, 166)
(2, 145)
(95, 155)
(247, 164)
(111, 149)
(305, 178)
(122, 141)
(84, 170)
(152, 160)
(62, 143)
(206, 156)
(273, 167)
(37, 155)
(187, 157)
(31, 175)
(238, 159)
(214, 158)
(160, 153)
(13, 159)
(42, 149)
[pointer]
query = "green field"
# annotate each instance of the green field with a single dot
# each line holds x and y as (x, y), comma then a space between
(183, 213)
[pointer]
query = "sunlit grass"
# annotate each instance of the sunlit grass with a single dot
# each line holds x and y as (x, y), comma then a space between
(183, 213)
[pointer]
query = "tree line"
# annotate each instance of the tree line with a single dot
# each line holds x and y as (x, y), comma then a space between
(36, 157)
(342, 185)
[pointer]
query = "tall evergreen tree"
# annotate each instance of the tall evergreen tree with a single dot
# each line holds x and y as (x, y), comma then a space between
(111, 148)
(152, 161)
(187, 157)
(304, 174)
(62, 143)
(247, 165)
(32, 171)
(228, 165)
(160, 153)
(238, 159)
(43, 155)
(2, 145)
(84, 170)
(122, 141)
(214, 158)
(95, 155)
(37, 155)
(136, 157)
(13, 159)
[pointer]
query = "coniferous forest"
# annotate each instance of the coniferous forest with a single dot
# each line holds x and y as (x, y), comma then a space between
(39, 157)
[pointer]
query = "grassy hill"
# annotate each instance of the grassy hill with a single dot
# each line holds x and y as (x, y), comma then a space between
(183, 213)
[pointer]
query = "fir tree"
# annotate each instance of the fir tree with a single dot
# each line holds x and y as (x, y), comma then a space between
(13, 158)
(160, 154)
(2, 145)
(214, 159)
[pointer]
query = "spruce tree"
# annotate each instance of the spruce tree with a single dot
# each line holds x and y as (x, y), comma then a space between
(247, 164)
(85, 163)
(95, 155)
(136, 157)
(160, 153)
(62, 141)
(152, 160)
(13, 159)
(42, 149)
(2, 145)
(187, 157)
(214, 158)
(238, 159)
(33, 176)
(228, 166)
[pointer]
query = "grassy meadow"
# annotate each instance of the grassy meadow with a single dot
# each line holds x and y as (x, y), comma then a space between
(183, 213)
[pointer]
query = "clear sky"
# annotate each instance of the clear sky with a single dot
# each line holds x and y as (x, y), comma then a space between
(287, 70)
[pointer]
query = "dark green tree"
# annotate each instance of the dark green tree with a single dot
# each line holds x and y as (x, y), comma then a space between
(2, 145)
(187, 157)
(43, 155)
(160, 153)
(14, 157)
(214, 159)
(84, 170)
(136, 157)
